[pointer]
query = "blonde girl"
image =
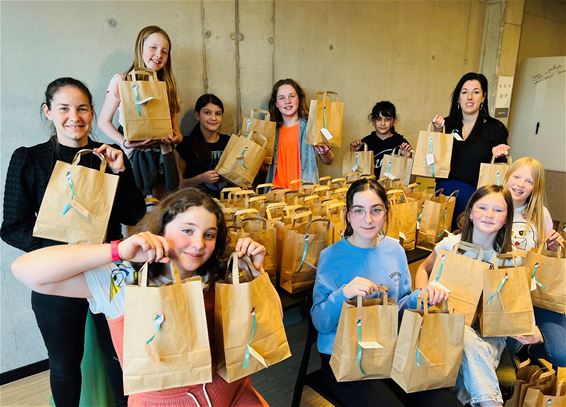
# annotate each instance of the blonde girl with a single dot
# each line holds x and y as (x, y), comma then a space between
(532, 227)
(150, 159)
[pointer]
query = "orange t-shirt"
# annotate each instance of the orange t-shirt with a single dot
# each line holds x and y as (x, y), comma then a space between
(288, 156)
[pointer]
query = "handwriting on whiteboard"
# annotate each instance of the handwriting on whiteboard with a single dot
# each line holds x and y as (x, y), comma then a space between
(551, 72)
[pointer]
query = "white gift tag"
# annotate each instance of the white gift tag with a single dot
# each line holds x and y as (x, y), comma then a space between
(256, 355)
(533, 284)
(457, 137)
(389, 175)
(429, 159)
(147, 99)
(402, 236)
(326, 133)
(355, 168)
(370, 345)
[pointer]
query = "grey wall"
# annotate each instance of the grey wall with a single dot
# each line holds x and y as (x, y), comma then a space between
(411, 52)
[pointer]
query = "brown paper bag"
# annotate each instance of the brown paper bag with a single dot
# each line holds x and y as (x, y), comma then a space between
(493, 173)
(463, 276)
(324, 124)
(241, 159)
(358, 162)
(429, 348)
(402, 222)
(433, 154)
(77, 203)
(165, 335)
(265, 127)
(249, 326)
(145, 107)
(547, 274)
(507, 309)
(553, 396)
(435, 219)
(365, 339)
(301, 250)
(335, 213)
(396, 166)
(263, 232)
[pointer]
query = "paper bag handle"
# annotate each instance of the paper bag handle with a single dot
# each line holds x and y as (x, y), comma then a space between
(558, 251)
(324, 179)
(395, 193)
(80, 153)
(308, 228)
(429, 128)
(334, 205)
(469, 247)
(422, 301)
(143, 273)
(243, 212)
(355, 151)
(272, 207)
(255, 219)
(509, 159)
(151, 74)
(226, 193)
(266, 115)
(510, 255)
(249, 268)
(325, 93)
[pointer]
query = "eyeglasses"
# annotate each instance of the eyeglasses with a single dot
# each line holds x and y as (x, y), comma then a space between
(360, 213)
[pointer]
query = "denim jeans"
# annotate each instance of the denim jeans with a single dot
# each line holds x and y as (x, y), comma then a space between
(477, 381)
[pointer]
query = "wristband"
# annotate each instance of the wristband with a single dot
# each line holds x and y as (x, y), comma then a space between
(114, 250)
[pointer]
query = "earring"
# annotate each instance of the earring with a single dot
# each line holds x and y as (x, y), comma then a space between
(458, 105)
(481, 106)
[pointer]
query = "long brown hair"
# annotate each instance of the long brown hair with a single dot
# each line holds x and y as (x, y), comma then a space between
(164, 74)
(502, 241)
(274, 111)
(178, 203)
(363, 185)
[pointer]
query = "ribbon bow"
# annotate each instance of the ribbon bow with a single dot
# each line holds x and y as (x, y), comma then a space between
(431, 151)
(441, 267)
(360, 349)
(498, 291)
(533, 275)
(158, 319)
(241, 157)
(72, 187)
(137, 95)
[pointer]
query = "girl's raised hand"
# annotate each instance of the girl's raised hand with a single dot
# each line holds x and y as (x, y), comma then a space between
(359, 286)
(143, 247)
(438, 122)
(406, 149)
(114, 157)
(322, 149)
(553, 240)
(253, 249)
(356, 144)
(436, 293)
(500, 150)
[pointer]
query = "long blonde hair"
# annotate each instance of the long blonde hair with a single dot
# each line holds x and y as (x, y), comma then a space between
(534, 207)
(164, 74)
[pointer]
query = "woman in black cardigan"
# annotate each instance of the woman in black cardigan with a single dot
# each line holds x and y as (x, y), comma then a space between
(68, 105)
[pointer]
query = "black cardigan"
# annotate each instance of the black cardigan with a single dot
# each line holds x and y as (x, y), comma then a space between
(28, 174)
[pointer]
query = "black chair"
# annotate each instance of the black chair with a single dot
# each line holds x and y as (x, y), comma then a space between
(314, 379)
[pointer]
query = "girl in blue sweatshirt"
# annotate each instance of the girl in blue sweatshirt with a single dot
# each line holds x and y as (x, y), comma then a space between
(356, 265)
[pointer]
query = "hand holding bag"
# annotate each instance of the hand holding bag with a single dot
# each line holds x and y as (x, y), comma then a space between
(324, 124)
(358, 162)
(249, 326)
(77, 202)
(265, 127)
(365, 339)
(433, 154)
(493, 173)
(145, 107)
(166, 342)
(396, 166)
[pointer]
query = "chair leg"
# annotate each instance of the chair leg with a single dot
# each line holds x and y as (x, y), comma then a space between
(297, 394)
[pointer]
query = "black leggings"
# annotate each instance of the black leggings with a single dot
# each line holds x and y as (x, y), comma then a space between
(384, 392)
(61, 321)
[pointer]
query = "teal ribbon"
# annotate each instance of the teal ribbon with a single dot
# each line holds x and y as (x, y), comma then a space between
(254, 328)
(440, 268)
(503, 281)
(241, 157)
(158, 319)
(72, 187)
(388, 168)
(431, 151)
(305, 250)
(498, 175)
(324, 117)
(360, 349)
(137, 95)
(419, 353)
(421, 212)
(533, 275)
(443, 222)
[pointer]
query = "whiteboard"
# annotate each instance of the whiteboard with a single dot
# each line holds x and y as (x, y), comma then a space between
(537, 126)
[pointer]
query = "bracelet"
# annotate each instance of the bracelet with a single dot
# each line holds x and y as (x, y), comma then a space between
(114, 250)
(124, 143)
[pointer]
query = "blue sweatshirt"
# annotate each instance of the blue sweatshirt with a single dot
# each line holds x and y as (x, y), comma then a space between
(385, 264)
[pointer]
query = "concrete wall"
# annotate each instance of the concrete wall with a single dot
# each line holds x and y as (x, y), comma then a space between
(411, 53)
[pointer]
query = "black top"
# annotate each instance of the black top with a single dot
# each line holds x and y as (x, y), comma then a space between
(381, 147)
(201, 157)
(467, 155)
(27, 178)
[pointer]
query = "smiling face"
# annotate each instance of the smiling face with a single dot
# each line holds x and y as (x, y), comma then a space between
(287, 101)
(383, 125)
(192, 235)
(521, 184)
(471, 97)
(367, 218)
(155, 51)
(210, 117)
(71, 114)
(489, 214)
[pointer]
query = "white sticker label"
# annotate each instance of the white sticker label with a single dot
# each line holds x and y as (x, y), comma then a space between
(256, 355)
(389, 175)
(429, 159)
(326, 133)
(370, 345)
(457, 137)
(355, 168)
(533, 284)
(147, 99)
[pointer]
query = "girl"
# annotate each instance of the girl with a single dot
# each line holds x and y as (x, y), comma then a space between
(293, 158)
(153, 162)
(356, 265)
(68, 106)
(384, 140)
(486, 222)
(532, 226)
(203, 148)
(480, 137)
(188, 228)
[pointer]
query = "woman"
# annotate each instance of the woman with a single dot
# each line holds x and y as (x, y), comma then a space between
(478, 136)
